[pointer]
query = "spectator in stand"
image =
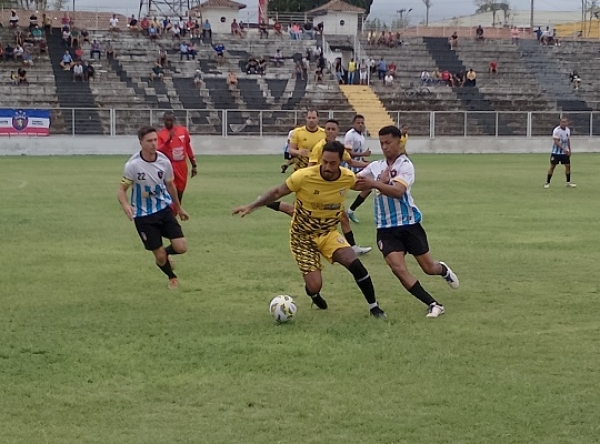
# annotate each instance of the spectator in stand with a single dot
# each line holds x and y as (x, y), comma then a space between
(163, 58)
(277, 29)
(398, 39)
(459, 79)
(320, 28)
(235, 28)
(363, 72)
(382, 40)
(46, 22)
(339, 71)
(67, 61)
(453, 40)
(18, 53)
(515, 35)
(391, 40)
(156, 24)
(262, 65)
(14, 78)
(555, 40)
(471, 80)
(22, 76)
(351, 71)
(66, 37)
(388, 80)
(382, 68)
(78, 52)
(37, 34)
(278, 58)
(479, 33)
(13, 21)
(295, 32)
(425, 78)
(176, 32)
(545, 38)
(110, 52)
(85, 36)
(113, 23)
(78, 71)
(493, 67)
(89, 72)
(9, 53)
(220, 52)
(184, 51)
(95, 49)
(305, 67)
(321, 63)
(308, 30)
(252, 66)
(538, 33)
(133, 24)
(232, 79)
(206, 30)
(156, 72)
(298, 70)
(263, 29)
(197, 78)
(75, 38)
(65, 21)
(243, 28)
(28, 58)
(436, 77)
(196, 30)
(33, 20)
(392, 69)
(447, 78)
(145, 25)
(192, 50)
(166, 25)
(319, 75)
(153, 32)
(575, 80)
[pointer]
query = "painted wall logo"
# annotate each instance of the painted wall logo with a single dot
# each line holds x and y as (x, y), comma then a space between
(20, 120)
(24, 122)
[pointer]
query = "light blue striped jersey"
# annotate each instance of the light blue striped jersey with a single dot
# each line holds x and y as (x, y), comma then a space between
(148, 180)
(393, 212)
(356, 141)
(564, 136)
(286, 148)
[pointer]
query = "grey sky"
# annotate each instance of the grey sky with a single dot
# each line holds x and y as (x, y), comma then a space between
(383, 9)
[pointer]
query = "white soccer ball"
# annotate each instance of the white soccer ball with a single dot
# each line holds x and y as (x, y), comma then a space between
(282, 308)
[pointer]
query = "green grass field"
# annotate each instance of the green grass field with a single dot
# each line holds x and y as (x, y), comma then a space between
(95, 349)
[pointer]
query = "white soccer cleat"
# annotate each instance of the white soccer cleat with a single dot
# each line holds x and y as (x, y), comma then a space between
(546, 185)
(571, 185)
(435, 310)
(361, 250)
(352, 216)
(450, 278)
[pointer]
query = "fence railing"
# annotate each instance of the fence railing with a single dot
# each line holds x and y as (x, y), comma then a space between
(231, 123)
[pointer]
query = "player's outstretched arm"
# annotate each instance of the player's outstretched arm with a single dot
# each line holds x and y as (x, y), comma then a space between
(179, 211)
(122, 196)
(269, 197)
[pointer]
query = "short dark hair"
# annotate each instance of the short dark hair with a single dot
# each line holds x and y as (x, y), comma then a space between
(333, 121)
(358, 116)
(392, 130)
(335, 147)
(312, 110)
(169, 114)
(144, 131)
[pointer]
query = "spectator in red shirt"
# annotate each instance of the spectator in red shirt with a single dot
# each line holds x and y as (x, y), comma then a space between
(493, 67)
(174, 142)
(277, 29)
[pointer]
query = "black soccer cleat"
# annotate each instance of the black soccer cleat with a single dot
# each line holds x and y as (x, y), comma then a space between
(319, 301)
(284, 168)
(377, 312)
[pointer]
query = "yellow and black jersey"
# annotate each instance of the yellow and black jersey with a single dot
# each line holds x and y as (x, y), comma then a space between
(306, 140)
(319, 202)
(317, 153)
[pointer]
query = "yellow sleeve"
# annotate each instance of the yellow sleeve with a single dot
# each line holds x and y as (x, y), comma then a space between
(316, 154)
(295, 139)
(347, 157)
(294, 182)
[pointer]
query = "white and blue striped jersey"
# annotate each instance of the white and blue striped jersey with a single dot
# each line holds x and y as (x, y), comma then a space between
(564, 136)
(286, 148)
(148, 180)
(356, 141)
(391, 212)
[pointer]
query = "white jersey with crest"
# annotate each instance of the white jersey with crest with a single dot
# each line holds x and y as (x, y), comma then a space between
(391, 212)
(564, 136)
(357, 141)
(148, 180)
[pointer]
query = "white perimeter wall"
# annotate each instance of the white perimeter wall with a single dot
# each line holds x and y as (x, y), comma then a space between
(80, 145)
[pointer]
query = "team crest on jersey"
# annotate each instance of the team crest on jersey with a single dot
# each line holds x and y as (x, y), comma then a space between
(393, 173)
(160, 174)
(340, 240)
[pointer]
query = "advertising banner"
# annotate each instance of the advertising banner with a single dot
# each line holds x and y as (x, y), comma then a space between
(24, 122)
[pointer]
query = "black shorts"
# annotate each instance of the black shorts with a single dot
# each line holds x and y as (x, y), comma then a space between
(286, 155)
(563, 159)
(409, 239)
(154, 227)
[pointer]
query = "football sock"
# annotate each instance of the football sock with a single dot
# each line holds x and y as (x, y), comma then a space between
(170, 250)
(549, 178)
(312, 295)
(274, 206)
(166, 269)
(350, 238)
(357, 202)
(421, 294)
(363, 280)
(569, 177)
(444, 270)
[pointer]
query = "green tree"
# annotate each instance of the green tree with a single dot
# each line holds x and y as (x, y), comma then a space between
(307, 5)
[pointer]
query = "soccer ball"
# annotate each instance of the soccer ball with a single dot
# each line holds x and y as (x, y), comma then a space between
(282, 308)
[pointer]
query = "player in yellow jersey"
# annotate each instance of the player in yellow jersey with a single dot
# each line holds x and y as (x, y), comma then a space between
(364, 194)
(332, 130)
(305, 138)
(320, 192)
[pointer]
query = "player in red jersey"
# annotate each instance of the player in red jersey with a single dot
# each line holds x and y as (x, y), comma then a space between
(174, 142)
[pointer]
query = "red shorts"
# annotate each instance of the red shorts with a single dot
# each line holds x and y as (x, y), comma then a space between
(180, 172)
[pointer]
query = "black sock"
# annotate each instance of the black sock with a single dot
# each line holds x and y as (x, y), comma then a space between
(421, 294)
(357, 202)
(166, 269)
(274, 206)
(312, 295)
(363, 280)
(350, 238)
(170, 250)
(569, 177)
(444, 270)
(549, 178)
